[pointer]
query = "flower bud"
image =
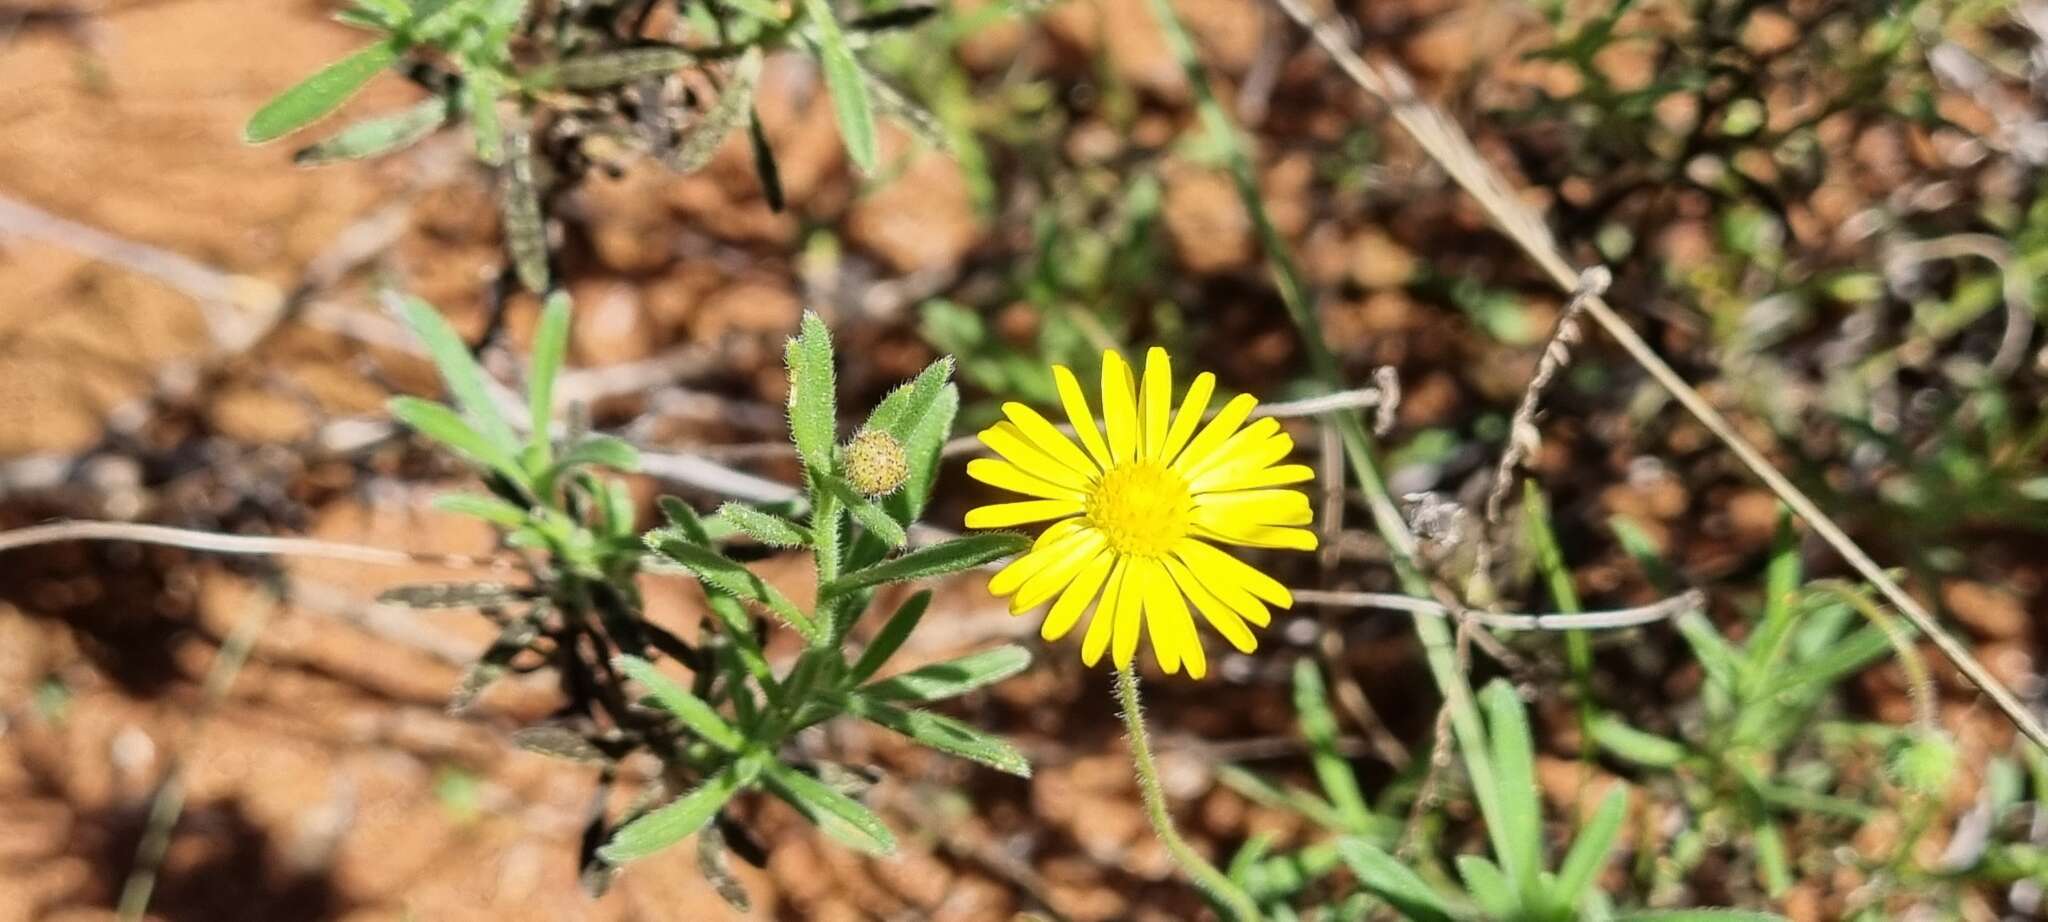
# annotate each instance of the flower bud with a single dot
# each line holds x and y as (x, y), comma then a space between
(875, 463)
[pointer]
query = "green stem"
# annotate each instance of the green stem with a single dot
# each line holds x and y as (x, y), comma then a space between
(1198, 868)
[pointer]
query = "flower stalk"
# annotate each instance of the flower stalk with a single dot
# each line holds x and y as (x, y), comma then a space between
(1235, 902)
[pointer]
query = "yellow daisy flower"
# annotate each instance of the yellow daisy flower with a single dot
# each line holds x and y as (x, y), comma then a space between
(1137, 512)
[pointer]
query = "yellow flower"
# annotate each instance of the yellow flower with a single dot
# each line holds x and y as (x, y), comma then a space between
(1137, 513)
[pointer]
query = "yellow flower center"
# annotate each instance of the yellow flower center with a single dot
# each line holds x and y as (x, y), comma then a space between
(1142, 507)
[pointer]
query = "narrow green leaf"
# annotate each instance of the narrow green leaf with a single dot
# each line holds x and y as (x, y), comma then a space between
(375, 137)
(439, 423)
(1489, 887)
(460, 371)
(489, 508)
(849, 88)
(688, 708)
(487, 129)
(1781, 600)
(735, 101)
(1517, 832)
(771, 530)
(1717, 657)
(942, 733)
(907, 112)
(813, 401)
(717, 570)
(689, 527)
(1588, 854)
(1844, 658)
(891, 637)
(953, 677)
(900, 411)
(1386, 877)
(1773, 868)
(611, 68)
(320, 94)
(866, 512)
(601, 451)
(550, 344)
(1261, 791)
(840, 816)
(1319, 727)
(1640, 747)
(935, 560)
(526, 236)
(672, 823)
(923, 447)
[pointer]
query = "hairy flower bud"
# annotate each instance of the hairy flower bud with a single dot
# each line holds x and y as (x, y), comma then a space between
(875, 463)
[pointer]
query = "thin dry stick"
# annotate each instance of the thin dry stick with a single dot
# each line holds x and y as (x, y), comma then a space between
(1661, 610)
(1448, 145)
(255, 545)
(1557, 353)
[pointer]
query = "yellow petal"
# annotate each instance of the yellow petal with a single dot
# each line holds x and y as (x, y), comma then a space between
(1074, 600)
(1102, 623)
(1036, 561)
(1004, 515)
(1156, 400)
(1009, 441)
(1254, 507)
(1222, 427)
(1189, 416)
(1281, 475)
(1235, 458)
(1057, 531)
(1130, 611)
(1119, 408)
(1245, 444)
(1003, 474)
(1219, 615)
(1048, 439)
(1079, 413)
(1074, 555)
(1173, 629)
(1206, 561)
(1239, 533)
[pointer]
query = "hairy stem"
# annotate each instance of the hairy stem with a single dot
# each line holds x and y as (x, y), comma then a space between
(1212, 881)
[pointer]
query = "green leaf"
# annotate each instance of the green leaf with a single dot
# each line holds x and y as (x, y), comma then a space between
(489, 508)
(1319, 727)
(320, 94)
(375, 137)
(1841, 659)
(942, 733)
(953, 677)
(686, 707)
(813, 404)
(1781, 602)
(735, 101)
(870, 516)
(1489, 887)
(525, 226)
(934, 560)
(717, 570)
(899, 413)
(1588, 854)
(1517, 832)
(906, 112)
(460, 371)
(611, 68)
(771, 530)
(840, 816)
(891, 637)
(849, 88)
(442, 425)
(550, 344)
(1716, 656)
(487, 130)
(1261, 791)
(1638, 746)
(1386, 877)
(670, 824)
(922, 448)
(1773, 868)
(601, 451)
